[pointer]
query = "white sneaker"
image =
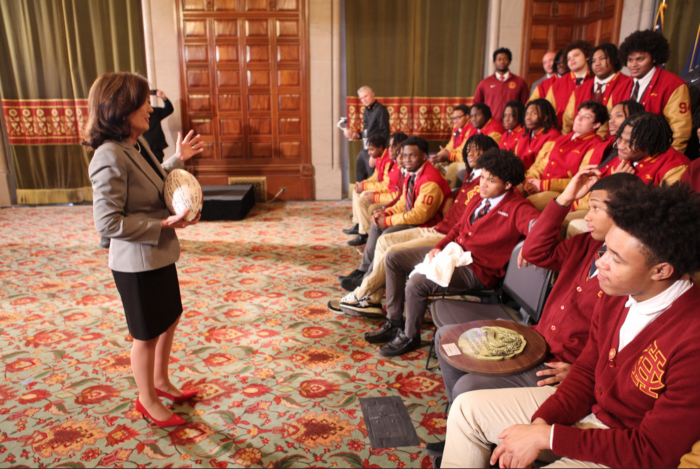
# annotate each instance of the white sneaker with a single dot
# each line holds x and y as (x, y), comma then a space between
(363, 307)
(349, 299)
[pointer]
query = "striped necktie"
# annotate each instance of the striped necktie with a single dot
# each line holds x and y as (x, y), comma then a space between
(600, 254)
(598, 94)
(579, 81)
(484, 210)
(635, 92)
(409, 192)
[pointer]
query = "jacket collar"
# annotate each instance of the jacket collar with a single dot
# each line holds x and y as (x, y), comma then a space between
(142, 164)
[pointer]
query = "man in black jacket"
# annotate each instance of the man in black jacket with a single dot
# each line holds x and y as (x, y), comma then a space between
(154, 135)
(375, 120)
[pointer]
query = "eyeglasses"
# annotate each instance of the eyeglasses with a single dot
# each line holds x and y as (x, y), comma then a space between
(455, 118)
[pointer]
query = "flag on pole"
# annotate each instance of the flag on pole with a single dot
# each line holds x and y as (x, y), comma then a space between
(693, 62)
(659, 20)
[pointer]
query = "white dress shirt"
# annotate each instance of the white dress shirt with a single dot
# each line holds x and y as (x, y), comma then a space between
(505, 76)
(604, 83)
(475, 174)
(494, 201)
(643, 83)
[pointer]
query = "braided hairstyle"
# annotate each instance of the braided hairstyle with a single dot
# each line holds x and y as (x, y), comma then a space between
(546, 113)
(518, 109)
(650, 133)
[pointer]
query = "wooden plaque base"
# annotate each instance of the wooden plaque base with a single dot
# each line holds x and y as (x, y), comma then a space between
(535, 351)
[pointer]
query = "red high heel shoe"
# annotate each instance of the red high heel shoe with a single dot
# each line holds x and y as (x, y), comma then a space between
(173, 421)
(186, 396)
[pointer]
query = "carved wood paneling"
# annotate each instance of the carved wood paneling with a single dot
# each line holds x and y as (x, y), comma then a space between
(552, 24)
(245, 90)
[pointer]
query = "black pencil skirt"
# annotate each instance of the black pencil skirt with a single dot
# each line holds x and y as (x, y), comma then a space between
(151, 300)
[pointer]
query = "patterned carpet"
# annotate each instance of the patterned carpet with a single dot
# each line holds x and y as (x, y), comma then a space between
(279, 375)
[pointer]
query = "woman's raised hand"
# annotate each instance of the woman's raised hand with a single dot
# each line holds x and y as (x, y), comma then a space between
(188, 147)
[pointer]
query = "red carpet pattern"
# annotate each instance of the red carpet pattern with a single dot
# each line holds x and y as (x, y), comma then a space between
(279, 376)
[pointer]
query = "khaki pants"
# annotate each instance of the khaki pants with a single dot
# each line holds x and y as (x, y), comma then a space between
(478, 417)
(362, 212)
(541, 199)
(451, 174)
(374, 282)
(575, 224)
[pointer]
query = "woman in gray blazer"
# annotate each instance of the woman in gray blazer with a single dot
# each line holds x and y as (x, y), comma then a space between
(128, 205)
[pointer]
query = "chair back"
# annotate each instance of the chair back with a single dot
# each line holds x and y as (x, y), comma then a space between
(528, 286)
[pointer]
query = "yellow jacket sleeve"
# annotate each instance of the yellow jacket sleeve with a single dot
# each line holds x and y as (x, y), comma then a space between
(424, 208)
(496, 136)
(456, 153)
(691, 459)
(569, 115)
(537, 169)
(587, 158)
(556, 185)
(552, 100)
(674, 175)
(374, 178)
(535, 94)
(385, 197)
(678, 114)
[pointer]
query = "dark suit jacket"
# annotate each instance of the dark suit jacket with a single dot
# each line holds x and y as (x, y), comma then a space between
(154, 135)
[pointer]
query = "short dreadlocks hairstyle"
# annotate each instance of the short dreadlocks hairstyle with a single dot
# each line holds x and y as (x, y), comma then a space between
(503, 164)
(484, 108)
(600, 111)
(650, 133)
(377, 141)
(480, 141)
(649, 41)
(610, 51)
(665, 220)
(584, 46)
(399, 138)
(631, 107)
(420, 142)
(518, 111)
(546, 113)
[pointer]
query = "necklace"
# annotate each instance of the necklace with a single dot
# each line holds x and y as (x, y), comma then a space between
(138, 147)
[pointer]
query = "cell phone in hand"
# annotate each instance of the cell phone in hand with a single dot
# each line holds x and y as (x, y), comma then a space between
(154, 92)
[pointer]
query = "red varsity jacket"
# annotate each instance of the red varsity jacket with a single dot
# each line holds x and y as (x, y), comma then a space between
(376, 180)
(491, 239)
(454, 214)
(510, 139)
(561, 91)
(668, 167)
(496, 93)
(543, 88)
(530, 146)
(566, 318)
(692, 175)
(430, 191)
(668, 95)
(647, 393)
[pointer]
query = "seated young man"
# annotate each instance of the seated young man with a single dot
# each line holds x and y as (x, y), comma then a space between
(631, 398)
(491, 225)
(460, 134)
(482, 122)
(644, 148)
(425, 195)
(542, 131)
(566, 318)
(377, 190)
(553, 169)
(659, 91)
(381, 155)
(576, 56)
(368, 290)
(513, 120)
(606, 87)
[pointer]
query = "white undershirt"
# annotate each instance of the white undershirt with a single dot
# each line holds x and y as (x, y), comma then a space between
(475, 174)
(494, 201)
(643, 83)
(505, 76)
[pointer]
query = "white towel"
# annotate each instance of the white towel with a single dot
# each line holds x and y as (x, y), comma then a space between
(441, 268)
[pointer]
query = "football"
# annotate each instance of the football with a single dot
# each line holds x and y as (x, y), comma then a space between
(182, 191)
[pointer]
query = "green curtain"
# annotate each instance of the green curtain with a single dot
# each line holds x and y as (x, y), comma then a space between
(414, 48)
(55, 49)
(681, 21)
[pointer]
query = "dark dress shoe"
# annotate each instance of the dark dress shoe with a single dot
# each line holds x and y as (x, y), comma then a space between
(437, 462)
(384, 334)
(104, 242)
(353, 274)
(355, 230)
(434, 449)
(351, 283)
(399, 345)
(359, 240)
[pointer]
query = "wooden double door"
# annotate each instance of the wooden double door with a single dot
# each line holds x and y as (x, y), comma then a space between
(245, 90)
(553, 24)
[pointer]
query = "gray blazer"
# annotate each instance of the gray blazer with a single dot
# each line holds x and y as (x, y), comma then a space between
(128, 207)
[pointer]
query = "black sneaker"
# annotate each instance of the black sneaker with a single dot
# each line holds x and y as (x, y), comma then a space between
(362, 307)
(434, 449)
(351, 283)
(359, 240)
(437, 462)
(353, 274)
(355, 230)
(384, 334)
(401, 344)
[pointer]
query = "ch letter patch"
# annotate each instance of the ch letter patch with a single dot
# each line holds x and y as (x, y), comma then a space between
(648, 373)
